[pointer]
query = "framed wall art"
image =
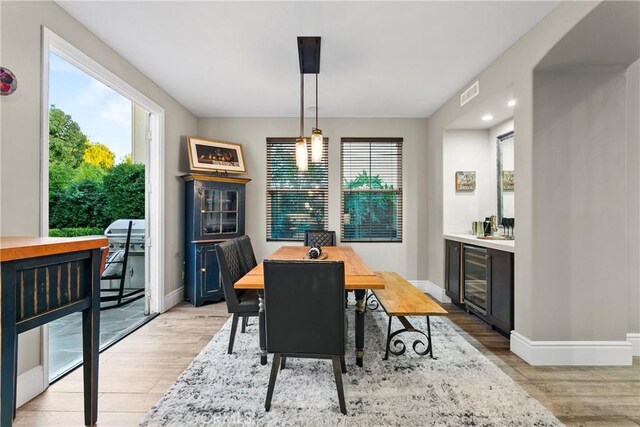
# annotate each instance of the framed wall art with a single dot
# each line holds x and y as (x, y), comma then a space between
(508, 183)
(465, 180)
(206, 155)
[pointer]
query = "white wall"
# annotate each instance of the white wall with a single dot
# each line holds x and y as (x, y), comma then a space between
(20, 132)
(404, 257)
(579, 203)
(467, 150)
(633, 195)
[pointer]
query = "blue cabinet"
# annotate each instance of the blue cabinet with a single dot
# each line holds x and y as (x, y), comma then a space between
(214, 212)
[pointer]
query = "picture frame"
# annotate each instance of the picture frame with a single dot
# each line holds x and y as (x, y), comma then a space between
(206, 155)
(508, 181)
(465, 180)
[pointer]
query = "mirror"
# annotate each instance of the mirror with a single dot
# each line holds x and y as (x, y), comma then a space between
(505, 167)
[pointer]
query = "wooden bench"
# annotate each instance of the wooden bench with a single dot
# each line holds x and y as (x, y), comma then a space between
(400, 298)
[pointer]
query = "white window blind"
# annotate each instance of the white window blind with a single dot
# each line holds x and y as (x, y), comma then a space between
(296, 201)
(371, 189)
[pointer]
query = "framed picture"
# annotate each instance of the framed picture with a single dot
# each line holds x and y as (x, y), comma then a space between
(508, 181)
(465, 180)
(214, 156)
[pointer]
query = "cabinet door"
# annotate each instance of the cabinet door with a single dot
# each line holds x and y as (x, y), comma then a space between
(452, 270)
(209, 285)
(500, 271)
(219, 210)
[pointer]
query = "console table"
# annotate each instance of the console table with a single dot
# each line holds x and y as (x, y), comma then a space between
(43, 279)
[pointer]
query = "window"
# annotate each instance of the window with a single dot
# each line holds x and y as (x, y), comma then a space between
(296, 201)
(371, 196)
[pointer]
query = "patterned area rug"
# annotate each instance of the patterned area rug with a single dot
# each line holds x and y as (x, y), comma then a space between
(460, 388)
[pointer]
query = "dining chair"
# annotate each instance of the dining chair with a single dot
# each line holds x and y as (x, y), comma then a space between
(241, 304)
(304, 316)
(319, 238)
(322, 238)
(247, 260)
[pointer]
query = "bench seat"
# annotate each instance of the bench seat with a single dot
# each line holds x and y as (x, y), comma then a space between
(400, 298)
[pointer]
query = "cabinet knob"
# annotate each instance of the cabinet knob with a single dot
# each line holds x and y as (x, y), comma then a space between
(203, 269)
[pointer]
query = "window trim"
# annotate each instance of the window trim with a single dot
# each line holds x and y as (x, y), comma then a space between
(399, 190)
(267, 189)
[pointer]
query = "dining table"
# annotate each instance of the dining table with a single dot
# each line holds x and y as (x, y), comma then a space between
(358, 278)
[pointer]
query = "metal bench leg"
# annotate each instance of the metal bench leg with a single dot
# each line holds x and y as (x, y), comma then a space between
(429, 337)
(386, 353)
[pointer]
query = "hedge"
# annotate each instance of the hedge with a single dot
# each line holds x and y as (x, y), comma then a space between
(75, 232)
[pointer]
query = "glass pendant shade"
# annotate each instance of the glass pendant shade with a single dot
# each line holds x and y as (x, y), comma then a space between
(316, 145)
(302, 155)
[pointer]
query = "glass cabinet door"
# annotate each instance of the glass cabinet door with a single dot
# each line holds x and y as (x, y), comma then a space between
(219, 211)
(475, 277)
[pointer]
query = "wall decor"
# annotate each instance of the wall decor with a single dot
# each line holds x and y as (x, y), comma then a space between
(8, 81)
(465, 180)
(214, 156)
(508, 181)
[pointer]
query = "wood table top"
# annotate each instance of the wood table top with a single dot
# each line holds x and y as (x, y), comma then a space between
(357, 275)
(401, 298)
(15, 248)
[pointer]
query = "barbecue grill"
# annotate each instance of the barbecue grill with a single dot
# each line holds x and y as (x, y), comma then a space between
(116, 234)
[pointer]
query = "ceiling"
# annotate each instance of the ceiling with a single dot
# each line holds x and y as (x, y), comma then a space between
(378, 59)
(496, 106)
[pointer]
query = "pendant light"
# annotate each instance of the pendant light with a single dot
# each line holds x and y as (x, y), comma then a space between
(316, 135)
(302, 156)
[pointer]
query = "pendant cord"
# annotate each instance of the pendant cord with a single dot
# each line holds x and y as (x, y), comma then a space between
(316, 100)
(301, 105)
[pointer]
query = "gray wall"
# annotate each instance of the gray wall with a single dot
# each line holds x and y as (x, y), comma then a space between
(579, 175)
(406, 257)
(20, 132)
(633, 195)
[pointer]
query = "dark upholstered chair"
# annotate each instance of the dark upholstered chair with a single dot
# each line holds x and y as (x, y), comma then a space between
(240, 304)
(319, 238)
(245, 250)
(305, 315)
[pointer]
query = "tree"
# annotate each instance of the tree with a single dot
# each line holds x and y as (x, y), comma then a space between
(124, 188)
(81, 204)
(66, 140)
(98, 154)
(89, 172)
(60, 176)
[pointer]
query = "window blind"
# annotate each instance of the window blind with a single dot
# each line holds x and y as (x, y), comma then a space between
(296, 201)
(371, 189)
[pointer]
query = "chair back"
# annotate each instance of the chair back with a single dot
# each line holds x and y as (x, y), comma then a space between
(304, 307)
(245, 251)
(319, 238)
(230, 272)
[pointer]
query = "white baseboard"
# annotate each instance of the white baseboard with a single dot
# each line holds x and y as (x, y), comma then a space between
(587, 353)
(432, 289)
(30, 384)
(173, 298)
(634, 339)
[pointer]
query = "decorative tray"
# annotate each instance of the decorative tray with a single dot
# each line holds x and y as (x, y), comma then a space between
(320, 258)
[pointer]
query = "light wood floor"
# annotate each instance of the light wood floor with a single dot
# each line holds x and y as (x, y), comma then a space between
(137, 371)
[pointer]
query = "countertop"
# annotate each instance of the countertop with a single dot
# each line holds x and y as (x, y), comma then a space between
(501, 245)
(14, 248)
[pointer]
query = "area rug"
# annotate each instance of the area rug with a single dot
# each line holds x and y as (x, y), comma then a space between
(461, 387)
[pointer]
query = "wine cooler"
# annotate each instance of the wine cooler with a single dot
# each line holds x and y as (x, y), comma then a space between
(475, 278)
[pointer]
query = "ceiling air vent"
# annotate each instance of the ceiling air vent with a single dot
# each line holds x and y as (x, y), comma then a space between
(469, 94)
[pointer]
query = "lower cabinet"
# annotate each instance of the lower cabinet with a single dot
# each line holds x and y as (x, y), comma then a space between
(481, 281)
(202, 275)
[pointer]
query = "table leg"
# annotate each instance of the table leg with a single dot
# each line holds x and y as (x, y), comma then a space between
(263, 332)
(9, 339)
(360, 309)
(91, 344)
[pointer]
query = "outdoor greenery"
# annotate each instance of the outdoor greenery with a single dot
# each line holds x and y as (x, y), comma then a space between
(86, 190)
(371, 214)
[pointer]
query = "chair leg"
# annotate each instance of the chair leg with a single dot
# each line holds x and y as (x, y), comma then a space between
(244, 324)
(338, 375)
(284, 362)
(232, 337)
(272, 380)
(343, 365)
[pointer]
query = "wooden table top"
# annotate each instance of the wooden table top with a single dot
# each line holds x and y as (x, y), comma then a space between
(401, 298)
(15, 248)
(357, 274)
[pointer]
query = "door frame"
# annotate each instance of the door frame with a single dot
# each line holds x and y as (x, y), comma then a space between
(154, 167)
